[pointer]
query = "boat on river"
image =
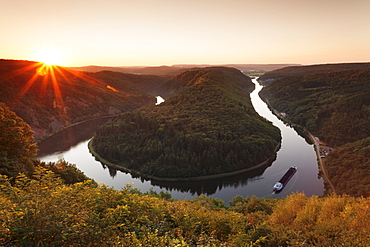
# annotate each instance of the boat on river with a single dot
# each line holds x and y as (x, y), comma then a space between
(285, 179)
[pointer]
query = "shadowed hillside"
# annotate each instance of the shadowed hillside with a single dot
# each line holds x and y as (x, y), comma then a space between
(50, 98)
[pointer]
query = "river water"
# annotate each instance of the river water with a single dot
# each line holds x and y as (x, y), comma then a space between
(71, 145)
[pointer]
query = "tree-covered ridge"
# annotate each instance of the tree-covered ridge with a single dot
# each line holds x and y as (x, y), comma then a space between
(335, 107)
(45, 212)
(207, 128)
(50, 98)
(194, 76)
(271, 76)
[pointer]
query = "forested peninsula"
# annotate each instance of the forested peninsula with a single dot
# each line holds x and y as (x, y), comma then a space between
(335, 107)
(207, 127)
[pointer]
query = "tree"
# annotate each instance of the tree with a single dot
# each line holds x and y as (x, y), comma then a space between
(17, 145)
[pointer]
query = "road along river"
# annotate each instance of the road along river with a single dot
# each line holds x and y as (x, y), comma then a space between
(72, 146)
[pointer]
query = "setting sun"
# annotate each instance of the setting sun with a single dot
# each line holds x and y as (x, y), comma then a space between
(49, 55)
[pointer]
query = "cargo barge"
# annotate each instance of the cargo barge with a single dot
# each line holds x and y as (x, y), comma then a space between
(285, 179)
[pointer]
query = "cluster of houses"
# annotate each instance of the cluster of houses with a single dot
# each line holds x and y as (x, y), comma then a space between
(323, 151)
(280, 114)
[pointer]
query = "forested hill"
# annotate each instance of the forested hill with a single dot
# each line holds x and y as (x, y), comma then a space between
(197, 76)
(335, 107)
(49, 100)
(308, 70)
(209, 127)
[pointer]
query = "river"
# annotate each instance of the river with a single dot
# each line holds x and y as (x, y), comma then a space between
(71, 145)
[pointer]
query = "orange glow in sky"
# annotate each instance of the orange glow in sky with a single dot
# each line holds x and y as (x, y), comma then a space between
(165, 32)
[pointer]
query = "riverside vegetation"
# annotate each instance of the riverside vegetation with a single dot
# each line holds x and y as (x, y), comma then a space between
(54, 204)
(334, 106)
(207, 127)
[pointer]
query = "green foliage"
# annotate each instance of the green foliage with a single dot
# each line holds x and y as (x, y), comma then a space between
(43, 211)
(210, 127)
(252, 204)
(163, 195)
(68, 172)
(17, 146)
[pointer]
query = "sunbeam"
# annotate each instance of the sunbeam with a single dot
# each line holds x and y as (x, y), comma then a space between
(44, 75)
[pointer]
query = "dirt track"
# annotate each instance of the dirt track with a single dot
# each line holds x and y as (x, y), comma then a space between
(317, 147)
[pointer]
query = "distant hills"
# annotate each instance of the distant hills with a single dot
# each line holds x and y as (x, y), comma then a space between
(179, 68)
(308, 70)
(49, 100)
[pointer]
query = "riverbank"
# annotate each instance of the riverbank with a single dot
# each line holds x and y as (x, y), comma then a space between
(45, 137)
(309, 137)
(190, 179)
(321, 163)
(70, 136)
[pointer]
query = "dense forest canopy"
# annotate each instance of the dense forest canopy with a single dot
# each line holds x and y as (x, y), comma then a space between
(271, 76)
(335, 107)
(50, 98)
(209, 127)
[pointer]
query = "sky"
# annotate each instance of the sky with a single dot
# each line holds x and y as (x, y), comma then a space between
(167, 32)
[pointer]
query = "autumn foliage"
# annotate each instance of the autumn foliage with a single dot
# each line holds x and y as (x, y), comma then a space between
(44, 211)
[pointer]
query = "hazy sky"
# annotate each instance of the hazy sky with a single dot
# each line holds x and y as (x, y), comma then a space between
(166, 32)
